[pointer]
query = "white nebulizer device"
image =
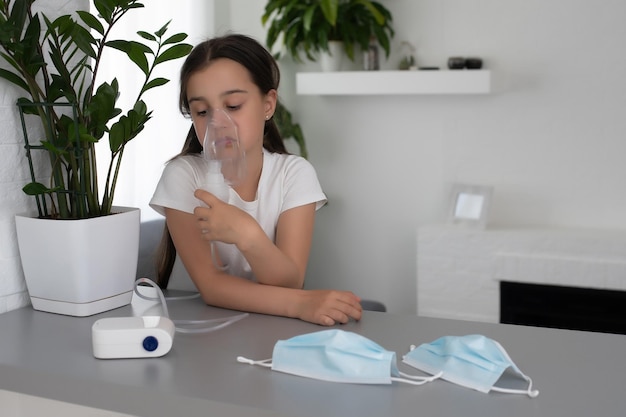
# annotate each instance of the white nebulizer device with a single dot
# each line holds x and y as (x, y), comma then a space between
(132, 337)
(225, 161)
(149, 336)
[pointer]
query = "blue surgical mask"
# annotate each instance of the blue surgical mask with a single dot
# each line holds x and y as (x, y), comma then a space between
(337, 356)
(472, 361)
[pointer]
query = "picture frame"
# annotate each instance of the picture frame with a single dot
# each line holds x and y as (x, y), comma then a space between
(469, 205)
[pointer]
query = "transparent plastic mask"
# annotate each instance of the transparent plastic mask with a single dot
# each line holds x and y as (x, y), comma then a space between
(225, 161)
(222, 147)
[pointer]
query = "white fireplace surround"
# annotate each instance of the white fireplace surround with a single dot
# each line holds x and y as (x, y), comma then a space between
(459, 269)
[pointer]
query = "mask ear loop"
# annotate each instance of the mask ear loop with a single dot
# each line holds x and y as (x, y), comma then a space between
(226, 321)
(530, 391)
(416, 380)
(266, 363)
(410, 379)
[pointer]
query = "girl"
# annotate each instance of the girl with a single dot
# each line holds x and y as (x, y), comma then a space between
(263, 232)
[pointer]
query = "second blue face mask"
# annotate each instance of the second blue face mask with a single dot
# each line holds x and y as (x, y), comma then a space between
(472, 361)
(336, 356)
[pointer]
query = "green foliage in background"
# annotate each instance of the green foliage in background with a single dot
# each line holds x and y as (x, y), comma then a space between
(306, 26)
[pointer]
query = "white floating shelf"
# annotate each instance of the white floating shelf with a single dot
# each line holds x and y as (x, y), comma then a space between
(394, 82)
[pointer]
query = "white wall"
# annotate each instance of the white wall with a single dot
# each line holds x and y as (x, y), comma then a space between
(550, 138)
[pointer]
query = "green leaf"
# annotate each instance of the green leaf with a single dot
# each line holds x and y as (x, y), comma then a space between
(330, 9)
(10, 60)
(52, 148)
(155, 83)
(134, 5)
(162, 31)
(116, 135)
(126, 46)
(177, 38)
(141, 108)
(120, 45)
(147, 35)
(135, 51)
(380, 19)
(91, 21)
(13, 78)
(105, 9)
(82, 136)
(37, 188)
(29, 57)
(102, 108)
(18, 16)
(138, 56)
(175, 52)
(27, 106)
(83, 40)
(308, 17)
(128, 126)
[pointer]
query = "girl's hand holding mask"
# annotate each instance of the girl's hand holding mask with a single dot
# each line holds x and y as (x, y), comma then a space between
(222, 222)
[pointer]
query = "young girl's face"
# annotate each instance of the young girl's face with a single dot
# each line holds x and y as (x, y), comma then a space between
(227, 85)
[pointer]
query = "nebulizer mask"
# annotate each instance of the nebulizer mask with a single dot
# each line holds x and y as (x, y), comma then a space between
(225, 161)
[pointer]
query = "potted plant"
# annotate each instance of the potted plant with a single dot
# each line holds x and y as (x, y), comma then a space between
(310, 26)
(66, 110)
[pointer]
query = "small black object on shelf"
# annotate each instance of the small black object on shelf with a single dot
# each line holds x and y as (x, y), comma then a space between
(456, 63)
(473, 63)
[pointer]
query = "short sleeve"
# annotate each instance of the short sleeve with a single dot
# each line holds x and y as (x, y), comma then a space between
(177, 186)
(301, 185)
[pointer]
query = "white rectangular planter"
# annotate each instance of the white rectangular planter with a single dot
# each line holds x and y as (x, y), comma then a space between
(80, 267)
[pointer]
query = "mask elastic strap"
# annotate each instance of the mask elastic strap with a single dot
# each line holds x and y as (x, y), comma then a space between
(408, 379)
(416, 380)
(267, 363)
(225, 321)
(530, 391)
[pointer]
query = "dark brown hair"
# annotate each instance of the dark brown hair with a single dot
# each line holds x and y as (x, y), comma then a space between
(265, 74)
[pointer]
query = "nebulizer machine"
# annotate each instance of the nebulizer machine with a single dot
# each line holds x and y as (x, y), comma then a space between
(152, 336)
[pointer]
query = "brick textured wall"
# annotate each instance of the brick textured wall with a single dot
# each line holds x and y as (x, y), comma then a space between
(14, 174)
(459, 270)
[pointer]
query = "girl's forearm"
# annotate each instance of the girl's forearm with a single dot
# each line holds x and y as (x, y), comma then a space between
(270, 265)
(241, 294)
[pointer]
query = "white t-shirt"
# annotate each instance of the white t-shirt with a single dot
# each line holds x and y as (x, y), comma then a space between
(287, 181)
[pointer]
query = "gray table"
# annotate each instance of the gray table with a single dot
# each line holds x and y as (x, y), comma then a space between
(48, 355)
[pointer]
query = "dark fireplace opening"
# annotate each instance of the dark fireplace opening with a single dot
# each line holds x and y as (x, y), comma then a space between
(562, 307)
